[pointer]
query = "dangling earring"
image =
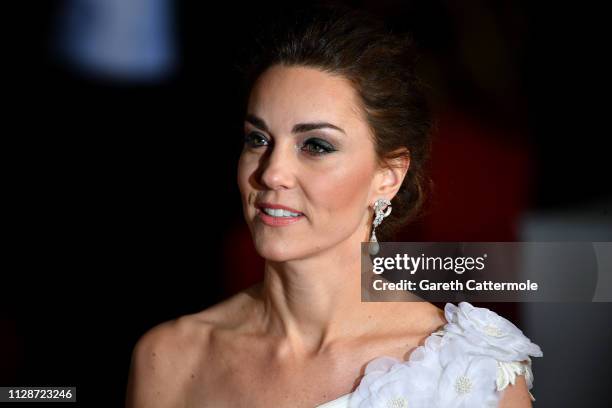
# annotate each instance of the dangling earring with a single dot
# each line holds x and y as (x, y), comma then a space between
(382, 208)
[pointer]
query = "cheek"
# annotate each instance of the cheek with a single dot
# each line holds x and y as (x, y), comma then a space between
(244, 171)
(341, 191)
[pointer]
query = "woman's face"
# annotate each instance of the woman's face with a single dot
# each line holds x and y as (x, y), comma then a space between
(326, 172)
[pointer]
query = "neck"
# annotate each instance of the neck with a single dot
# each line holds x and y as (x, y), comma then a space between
(312, 302)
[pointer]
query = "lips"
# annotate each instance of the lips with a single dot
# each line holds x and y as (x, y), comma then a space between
(273, 221)
(263, 205)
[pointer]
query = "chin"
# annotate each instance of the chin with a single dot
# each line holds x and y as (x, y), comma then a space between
(276, 251)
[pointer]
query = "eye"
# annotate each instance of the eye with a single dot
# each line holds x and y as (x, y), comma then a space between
(316, 147)
(255, 139)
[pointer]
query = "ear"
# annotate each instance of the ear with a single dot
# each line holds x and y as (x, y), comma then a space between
(390, 177)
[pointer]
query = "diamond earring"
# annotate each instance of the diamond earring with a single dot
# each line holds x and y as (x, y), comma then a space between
(382, 208)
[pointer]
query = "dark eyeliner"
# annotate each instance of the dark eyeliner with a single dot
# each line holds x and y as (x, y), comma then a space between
(321, 144)
(249, 139)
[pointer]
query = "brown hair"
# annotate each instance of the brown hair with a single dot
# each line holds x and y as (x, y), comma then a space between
(381, 66)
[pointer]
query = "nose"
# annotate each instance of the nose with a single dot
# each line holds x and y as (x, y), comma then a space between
(278, 167)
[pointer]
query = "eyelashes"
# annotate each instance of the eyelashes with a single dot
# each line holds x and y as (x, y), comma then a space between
(313, 146)
(254, 139)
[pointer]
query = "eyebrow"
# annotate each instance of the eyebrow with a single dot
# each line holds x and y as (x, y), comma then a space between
(298, 128)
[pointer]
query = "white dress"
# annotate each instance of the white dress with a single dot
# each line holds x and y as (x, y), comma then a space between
(468, 363)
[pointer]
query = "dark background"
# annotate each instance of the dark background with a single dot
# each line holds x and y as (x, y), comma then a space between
(121, 200)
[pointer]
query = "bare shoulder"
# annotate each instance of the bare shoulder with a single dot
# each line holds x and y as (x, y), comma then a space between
(516, 395)
(165, 357)
(161, 360)
(430, 317)
(435, 315)
(426, 317)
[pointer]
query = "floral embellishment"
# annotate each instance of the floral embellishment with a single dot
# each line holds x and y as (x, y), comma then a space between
(486, 332)
(463, 385)
(399, 402)
(468, 382)
(409, 384)
(508, 371)
(389, 382)
(493, 331)
(476, 355)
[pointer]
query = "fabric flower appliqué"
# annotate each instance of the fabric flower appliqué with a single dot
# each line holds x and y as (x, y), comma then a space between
(391, 383)
(468, 382)
(467, 364)
(487, 333)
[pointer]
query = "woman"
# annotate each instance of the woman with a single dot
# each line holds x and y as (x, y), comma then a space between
(335, 123)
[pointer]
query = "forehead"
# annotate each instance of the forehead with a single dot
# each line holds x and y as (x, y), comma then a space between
(285, 95)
